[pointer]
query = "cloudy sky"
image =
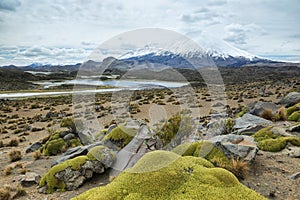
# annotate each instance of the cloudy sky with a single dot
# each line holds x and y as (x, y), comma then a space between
(61, 31)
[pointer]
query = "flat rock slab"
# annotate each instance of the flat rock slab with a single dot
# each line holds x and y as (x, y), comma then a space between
(249, 124)
(240, 146)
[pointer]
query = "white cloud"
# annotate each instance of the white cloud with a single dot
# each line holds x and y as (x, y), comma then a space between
(41, 54)
(82, 24)
(238, 33)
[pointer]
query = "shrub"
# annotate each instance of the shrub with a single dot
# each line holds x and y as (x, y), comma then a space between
(7, 170)
(23, 170)
(238, 167)
(5, 194)
(229, 124)
(14, 142)
(175, 128)
(267, 114)
(281, 114)
(37, 155)
(15, 155)
(19, 191)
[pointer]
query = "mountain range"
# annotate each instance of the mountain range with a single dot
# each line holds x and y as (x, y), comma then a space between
(220, 55)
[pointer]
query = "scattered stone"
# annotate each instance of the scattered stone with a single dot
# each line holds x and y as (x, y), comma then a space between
(29, 179)
(249, 124)
(239, 146)
(290, 99)
(33, 147)
(295, 176)
(294, 152)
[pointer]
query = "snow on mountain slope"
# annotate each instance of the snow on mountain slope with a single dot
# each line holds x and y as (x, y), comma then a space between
(217, 49)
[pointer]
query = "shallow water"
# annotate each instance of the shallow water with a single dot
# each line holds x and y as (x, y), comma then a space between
(117, 84)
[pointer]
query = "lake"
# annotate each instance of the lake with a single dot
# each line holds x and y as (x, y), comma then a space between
(92, 84)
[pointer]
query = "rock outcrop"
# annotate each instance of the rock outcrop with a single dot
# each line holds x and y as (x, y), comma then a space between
(249, 124)
(71, 174)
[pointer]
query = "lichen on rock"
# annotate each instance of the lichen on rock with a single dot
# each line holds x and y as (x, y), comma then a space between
(71, 174)
(51, 182)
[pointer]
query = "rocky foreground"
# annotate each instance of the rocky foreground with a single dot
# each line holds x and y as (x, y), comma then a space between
(249, 152)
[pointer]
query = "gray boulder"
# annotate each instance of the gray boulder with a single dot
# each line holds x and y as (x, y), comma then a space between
(260, 107)
(28, 179)
(290, 99)
(33, 147)
(249, 124)
(238, 146)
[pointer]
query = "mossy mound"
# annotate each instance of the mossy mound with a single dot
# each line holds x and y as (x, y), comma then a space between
(204, 149)
(53, 183)
(55, 145)
(178, 178)
(121, 135)
(295, 116)
(292, 109)
(268, 141)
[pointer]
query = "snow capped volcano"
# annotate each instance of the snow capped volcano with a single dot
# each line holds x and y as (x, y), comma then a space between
(225, 50)
(148, 49)
(222, 53)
